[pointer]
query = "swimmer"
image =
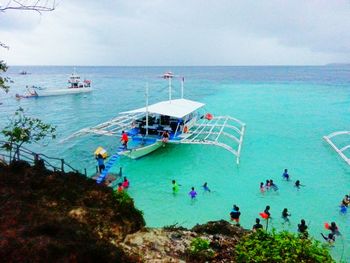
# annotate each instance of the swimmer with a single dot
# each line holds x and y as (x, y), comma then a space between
(267, 185)
(192, 193)
(175, 187)
(285, 175)
(262, 188)
(205, 187)
(330, 238)
(120, 188)
(257, 225)
(125, 183)
(298, 184)
(302, 229)
(334, 229)
(343, 209)
(235, 214)
(345, 200)
(267, 211)
(285, 216)
(273, 186)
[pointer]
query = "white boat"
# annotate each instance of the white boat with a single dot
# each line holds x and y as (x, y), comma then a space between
(76, 85)
(184, 120)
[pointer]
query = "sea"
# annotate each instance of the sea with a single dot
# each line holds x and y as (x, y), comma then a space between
(287, 111)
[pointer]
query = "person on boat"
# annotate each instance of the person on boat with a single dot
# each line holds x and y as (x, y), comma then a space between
(120, 188)
(302, 229)
(285, 174)
(205, 187)
(257, 225)
(192, 193)
(273, 185)
(175, 187)
(125, 183)
(285, 215)
(298, 184)
(262, 188)
(235, 214)
(165, 137)
(100, 162)
(124, 139)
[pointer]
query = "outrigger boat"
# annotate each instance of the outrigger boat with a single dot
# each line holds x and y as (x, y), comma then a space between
(185, 122)
(76, 85)
(343, 151)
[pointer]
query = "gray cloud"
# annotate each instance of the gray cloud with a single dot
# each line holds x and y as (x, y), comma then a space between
(193, 32)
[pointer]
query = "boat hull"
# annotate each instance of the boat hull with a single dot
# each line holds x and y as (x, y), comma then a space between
(142, 151)
(59, 92)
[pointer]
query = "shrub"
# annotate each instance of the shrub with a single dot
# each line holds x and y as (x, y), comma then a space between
(261, 246)
(199, 250)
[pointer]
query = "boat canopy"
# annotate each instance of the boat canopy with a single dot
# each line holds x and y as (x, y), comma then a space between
(178, 108)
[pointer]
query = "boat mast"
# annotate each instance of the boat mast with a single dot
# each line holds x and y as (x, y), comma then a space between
(169, 88)
(182, 87)
(146, 108)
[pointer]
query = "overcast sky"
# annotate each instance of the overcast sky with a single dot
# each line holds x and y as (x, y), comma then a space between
(179, 32)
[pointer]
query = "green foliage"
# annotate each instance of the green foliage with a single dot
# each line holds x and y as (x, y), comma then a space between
(200, 249)
(23, 129)
(4, 80)
(262, 246)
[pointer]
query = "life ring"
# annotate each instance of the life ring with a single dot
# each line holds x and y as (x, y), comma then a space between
(209, 116)
(185, 129)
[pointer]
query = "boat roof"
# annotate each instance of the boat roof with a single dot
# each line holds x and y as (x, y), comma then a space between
(177, 108)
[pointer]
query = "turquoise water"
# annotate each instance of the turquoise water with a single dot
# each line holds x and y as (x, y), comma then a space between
(287, 111)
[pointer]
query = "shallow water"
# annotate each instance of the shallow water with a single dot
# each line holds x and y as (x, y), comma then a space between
(287, 111)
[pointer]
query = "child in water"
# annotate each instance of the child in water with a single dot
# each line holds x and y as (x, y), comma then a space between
(267, 185)
(192, 193)
(302, 229)
(262, 188)
(273, 186)
(298, 184)
(205, 187)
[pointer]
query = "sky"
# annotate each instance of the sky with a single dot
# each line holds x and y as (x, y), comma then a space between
(179, 32)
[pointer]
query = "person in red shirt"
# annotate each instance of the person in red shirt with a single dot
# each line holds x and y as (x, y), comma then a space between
(124, 139)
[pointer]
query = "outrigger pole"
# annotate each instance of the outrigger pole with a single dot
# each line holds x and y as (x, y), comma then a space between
(146, 108)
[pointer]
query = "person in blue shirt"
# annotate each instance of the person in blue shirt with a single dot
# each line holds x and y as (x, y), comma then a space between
(285, 175)
(205, 187)
(100, 162)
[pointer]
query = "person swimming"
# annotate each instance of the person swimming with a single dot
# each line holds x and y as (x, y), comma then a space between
(175, 187)
(235, 214)
(343, 209)
(205, 187)
(192, 193)
(285, 174)
(285, 215)
(273, 185)
(330, 238)
(267, 185)
(346, 200)
(262, 188)
(257, 225)
(302, 229)
(334, 229)
(298, 184)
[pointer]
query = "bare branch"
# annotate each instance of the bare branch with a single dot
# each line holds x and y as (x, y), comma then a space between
(30, 5)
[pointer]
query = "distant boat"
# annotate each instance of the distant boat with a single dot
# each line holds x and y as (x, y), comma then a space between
(23, 72)
(76, 85)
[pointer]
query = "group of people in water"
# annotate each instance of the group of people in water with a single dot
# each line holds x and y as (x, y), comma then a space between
(192, 193)
(269, 184)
